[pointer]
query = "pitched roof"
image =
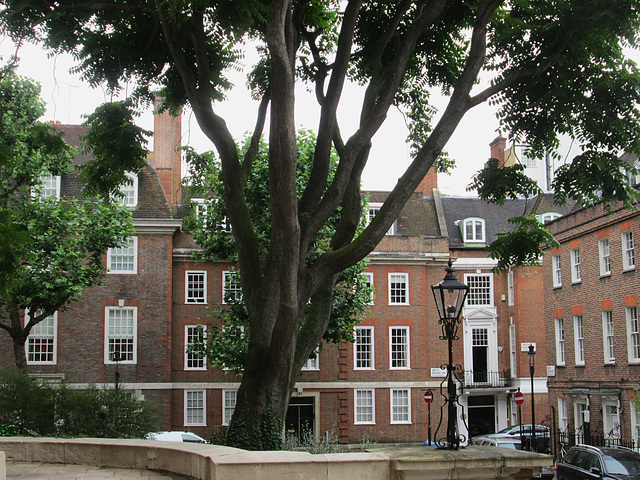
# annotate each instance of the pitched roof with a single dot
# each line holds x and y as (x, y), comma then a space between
(152, 203)
(456, 209)
(417, 218)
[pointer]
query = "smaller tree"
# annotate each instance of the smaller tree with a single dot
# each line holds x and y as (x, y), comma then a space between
(52, 247)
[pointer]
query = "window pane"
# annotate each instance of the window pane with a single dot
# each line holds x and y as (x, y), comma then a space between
(400, 408)
(398, 289)
(479, 289)
(363, 347)
(120, 334)
(194, 407)
(196, 285)
(364, 406)
(399, 345)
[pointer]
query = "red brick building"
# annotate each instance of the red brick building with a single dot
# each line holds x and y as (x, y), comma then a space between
(591, 311)
(156, 294)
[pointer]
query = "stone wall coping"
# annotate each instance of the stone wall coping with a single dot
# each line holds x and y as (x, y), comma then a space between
(213, 462)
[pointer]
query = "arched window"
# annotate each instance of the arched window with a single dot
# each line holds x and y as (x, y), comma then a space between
(473, 230)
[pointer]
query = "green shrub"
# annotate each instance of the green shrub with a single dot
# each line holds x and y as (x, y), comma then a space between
(26, 405)
(104, 413)
(30, 406)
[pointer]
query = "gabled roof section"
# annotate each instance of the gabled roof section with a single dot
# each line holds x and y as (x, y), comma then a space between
(418, 217)
(457, 209)
(152, 203)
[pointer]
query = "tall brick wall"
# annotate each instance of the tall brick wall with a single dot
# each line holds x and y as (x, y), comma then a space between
(589, 298)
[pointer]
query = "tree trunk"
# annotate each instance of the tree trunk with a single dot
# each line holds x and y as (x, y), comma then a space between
(19, 353)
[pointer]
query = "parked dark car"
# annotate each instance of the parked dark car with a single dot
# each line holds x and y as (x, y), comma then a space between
(587, 462)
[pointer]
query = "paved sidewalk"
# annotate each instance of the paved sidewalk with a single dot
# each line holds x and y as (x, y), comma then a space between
(57, 471)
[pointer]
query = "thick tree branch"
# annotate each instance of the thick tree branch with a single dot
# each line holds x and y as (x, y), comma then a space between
(376, 117)
(252, 151)
(511, 79)
(458, 105)
(319, 174)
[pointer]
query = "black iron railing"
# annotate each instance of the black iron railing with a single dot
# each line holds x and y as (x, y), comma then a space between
(563, 440)
(480, 379)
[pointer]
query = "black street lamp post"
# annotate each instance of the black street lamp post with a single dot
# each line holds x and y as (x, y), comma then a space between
(532, 370)
(450, 295)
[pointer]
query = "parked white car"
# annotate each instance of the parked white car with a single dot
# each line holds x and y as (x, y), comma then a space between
(175, 437)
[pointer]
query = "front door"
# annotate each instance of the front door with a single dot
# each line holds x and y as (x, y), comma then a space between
(300, 416)
(482, 415)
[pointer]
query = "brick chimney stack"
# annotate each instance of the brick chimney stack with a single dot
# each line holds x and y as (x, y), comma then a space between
(167, 137)
(428, 183)
(498, 147)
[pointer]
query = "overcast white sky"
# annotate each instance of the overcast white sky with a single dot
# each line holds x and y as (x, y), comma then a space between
(68, 99)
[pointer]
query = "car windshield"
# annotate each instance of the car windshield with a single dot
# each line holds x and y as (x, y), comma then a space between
(510, 429)
(622, 465)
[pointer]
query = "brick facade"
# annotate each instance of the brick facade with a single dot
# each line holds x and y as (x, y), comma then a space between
(600, 369)
(384, 402)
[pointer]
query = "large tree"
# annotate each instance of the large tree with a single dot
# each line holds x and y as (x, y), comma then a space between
(556, 66)
(226, 338)
(52, 246)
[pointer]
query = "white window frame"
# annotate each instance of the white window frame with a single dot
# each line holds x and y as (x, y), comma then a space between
(357, 352)
(202, 407)
(400, 412)
(189, 296)
(227, 283)
(49, 186)
(128, 193)
(475, 237)
(360, 416)
(369, 281)
(399, 349)
(633, 334)
(563, 414)
(560, 341)
(191, 362)
(372, 211)
(108, 336)
(608, 337)
(578, 336)
(47, 331)
(604, 257)
(395, 279)
(628, 251)
(483, 292)
(513, 359)
(114, 253)
(229, 402)
(576, 274)
(312, 363)
(510, 289)
(556, 264)
(548, 217)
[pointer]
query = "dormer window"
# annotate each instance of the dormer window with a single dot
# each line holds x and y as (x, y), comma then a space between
(473, 230)
(128, 195)
(549, 216)
(372, 211)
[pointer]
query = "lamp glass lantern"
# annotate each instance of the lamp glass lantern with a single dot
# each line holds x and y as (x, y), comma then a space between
(532, 355)
(450, 295)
